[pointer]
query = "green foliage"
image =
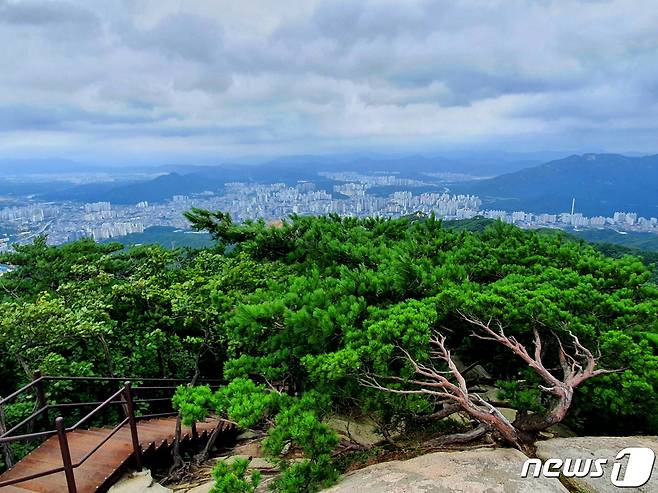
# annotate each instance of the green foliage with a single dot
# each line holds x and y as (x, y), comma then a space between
(520, 394)
(46, 331)
(314, 303)
(298, 424)
(45, 268)
(246, 403)
(629, 397)
(241, 401)
(357, 290)
(232, 478)
(194, 403)
(306, 476)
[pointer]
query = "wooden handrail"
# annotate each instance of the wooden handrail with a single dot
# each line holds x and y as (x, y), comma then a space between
(43, 407)
(66, 455)
(6, 450)
(98, 408)
(20, 391)
(39, 379)
(61, 430)
(137, 450)
(123, 396)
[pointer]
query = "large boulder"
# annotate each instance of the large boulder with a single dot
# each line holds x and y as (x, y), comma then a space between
(599, 448)
(473, 471)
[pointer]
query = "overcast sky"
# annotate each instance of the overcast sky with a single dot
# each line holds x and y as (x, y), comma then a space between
(182, 80)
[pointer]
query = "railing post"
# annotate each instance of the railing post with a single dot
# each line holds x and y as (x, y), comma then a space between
(137, 448)
(66, 454)
(41, 396)
(6, 448)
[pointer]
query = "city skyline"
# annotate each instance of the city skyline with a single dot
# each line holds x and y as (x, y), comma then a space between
(69, 221)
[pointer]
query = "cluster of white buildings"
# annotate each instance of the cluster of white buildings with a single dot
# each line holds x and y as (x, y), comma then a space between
(98, 207)
(625, 221)
(69, 221)
(113, 230)
(278, 200)
(27, 214)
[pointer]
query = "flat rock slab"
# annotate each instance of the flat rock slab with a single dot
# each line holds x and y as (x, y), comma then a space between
(472, 471)
(599, 448)
(204, 488)
(138, 482)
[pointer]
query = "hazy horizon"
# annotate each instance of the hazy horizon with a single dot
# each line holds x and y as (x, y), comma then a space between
(204, 81)
(522, 158)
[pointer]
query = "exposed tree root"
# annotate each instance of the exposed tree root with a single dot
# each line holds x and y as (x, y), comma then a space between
(460, 438)
(202, 456)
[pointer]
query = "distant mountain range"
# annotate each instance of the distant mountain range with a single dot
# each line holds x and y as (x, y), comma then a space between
(187, 180)
(600, 183)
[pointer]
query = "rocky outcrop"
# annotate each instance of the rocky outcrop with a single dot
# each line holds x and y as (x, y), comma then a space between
(482, 470)
(138, 482)
(599, 448)
(473, 471)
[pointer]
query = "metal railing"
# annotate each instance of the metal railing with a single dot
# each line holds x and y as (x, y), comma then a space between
(124, 397)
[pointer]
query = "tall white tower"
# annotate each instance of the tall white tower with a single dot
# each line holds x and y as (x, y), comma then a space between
(573, 205)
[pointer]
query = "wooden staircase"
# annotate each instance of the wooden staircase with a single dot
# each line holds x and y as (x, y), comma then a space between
(77, 460)
(109, 460)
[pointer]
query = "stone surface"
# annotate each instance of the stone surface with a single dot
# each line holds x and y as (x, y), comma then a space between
(363, 433)
(461, 418)
(261, 463)
(247, 435)
(595, 448)
(230, 459)
(561, 431)
(478, 372)
(473, 471)
(204, 488)
(488, 392)
(138, 482)
(508, 412)
(250, 449)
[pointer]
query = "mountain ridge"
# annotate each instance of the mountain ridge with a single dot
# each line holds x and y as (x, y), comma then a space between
(613, 182)
(187, 180)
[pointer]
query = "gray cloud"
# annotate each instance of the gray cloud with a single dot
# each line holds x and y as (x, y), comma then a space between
(220, 77)
(62, 118)
(187, 36)
(40, 13)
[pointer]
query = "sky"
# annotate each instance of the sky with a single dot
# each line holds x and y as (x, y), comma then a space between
(165, 80)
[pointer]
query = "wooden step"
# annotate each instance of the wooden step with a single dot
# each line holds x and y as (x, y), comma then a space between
(14, 489)
(105, 463)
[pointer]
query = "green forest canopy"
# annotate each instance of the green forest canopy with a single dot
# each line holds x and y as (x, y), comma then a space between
(318, 301)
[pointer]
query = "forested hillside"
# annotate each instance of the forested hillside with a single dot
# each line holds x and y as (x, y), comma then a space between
(342, 313)
(601, 184)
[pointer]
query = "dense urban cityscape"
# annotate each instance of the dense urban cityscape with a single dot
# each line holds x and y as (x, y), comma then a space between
(68, 221)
